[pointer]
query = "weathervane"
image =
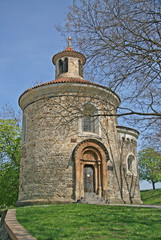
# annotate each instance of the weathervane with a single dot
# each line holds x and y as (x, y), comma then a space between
(69, 41)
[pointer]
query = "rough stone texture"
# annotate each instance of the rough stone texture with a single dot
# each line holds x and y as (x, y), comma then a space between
(3, 233)
(51, 168)
(73, 69)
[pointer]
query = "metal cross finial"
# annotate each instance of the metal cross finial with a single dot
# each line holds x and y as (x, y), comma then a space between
(69, 41)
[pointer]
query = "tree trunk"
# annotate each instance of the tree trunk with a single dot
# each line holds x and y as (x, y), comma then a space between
(153, 184)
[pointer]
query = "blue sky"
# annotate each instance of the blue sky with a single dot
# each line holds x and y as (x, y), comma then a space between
(28, 41)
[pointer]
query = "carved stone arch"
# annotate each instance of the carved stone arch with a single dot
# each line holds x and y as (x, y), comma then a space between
(94, 154)
(91, 141)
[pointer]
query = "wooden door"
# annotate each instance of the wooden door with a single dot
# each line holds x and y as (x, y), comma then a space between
(88, 178)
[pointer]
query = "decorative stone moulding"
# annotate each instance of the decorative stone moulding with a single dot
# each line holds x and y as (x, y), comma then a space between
(128, 134)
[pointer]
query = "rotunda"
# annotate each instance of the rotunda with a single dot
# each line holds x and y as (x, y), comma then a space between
(72, 149)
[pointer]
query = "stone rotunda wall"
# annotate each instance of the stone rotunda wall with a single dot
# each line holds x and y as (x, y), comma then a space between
(47, 164)
(69, 144)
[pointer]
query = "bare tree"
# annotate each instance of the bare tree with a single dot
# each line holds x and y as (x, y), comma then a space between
(8, 112)
(122, 42)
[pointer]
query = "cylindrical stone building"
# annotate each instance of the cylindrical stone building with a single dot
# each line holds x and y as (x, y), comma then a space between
(71, 150)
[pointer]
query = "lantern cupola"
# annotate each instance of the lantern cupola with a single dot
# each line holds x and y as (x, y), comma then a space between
(69, 63)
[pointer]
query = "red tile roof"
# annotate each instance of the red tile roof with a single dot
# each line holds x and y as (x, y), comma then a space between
(69, 80)
(69, 52)
(69, 49)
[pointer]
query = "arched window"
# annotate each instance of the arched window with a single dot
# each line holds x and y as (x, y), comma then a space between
(90, 122)
(131, 164)
(60, 66)
(80, 68)
(65, 65)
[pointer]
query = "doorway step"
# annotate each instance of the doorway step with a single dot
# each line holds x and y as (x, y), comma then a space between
(92, 198)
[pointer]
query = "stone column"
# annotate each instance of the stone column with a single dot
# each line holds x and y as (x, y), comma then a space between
(81, 179)
(77, 179)
(99, 180)
(96, 177)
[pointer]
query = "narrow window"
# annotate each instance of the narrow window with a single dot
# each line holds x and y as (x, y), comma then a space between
(131, 168)
(65, 65)
(60, 66)
(80, 68)
(90, 123)
(87, 126)
(129, 164)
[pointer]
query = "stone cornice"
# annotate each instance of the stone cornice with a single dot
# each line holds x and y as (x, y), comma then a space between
(128, 131)
(67, 88)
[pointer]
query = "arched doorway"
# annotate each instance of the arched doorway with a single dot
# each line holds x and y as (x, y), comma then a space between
(90, 168)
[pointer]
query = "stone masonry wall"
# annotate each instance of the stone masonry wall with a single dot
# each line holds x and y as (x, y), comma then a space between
(130, 180)
(73, 68)
(53, 131)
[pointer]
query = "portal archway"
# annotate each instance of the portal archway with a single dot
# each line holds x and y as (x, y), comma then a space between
(90, 158)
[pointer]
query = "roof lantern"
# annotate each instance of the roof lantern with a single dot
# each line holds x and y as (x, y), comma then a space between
(69, 63)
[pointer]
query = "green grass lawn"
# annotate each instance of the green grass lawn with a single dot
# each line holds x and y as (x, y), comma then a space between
(151, 196)
(83, 221)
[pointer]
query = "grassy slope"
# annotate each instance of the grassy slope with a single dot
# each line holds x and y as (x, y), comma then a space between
(151, 197)
(78, 221)
(83, 221)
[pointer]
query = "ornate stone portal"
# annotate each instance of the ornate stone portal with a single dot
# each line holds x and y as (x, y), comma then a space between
(90, 155)
(69, 145)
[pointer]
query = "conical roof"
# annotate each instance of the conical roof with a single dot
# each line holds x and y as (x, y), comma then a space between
(68, 52)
